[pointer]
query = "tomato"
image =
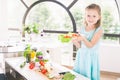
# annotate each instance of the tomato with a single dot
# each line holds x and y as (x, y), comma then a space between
(66, 36)
(42, 63)
(44, 71)
(32, 65)
(74, 35)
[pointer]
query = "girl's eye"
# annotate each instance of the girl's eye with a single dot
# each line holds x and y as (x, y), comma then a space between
(88, 15)
(94, 16)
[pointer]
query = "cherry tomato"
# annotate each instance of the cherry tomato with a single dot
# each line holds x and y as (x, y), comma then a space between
(74, 35)
(42, 63)
(66, 36)
(32, 65)
(44, 71)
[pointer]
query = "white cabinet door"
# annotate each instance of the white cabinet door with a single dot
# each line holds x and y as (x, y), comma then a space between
(67, 54)
(2, 68)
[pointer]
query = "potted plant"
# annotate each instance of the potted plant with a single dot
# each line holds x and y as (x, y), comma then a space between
(32, 31)
(32, 28)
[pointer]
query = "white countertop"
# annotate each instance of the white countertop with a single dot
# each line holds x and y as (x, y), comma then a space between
(32, 74)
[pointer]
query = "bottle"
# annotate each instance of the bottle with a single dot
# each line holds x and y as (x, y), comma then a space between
(28, 58)
(48, 64)
(47, 55)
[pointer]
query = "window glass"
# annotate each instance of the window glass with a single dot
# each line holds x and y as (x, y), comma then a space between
(15, 13)
(29, 2)
(50, 16)
(66, 2)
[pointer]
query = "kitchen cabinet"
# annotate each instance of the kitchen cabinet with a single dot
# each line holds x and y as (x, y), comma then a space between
(109, 57)
(6, 51)
(1, 63)
(67, 54)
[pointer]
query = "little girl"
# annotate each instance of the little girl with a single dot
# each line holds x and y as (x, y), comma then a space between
(87, 62)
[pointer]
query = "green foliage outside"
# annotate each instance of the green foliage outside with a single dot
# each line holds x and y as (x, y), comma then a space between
(107, 20)
(32, 28)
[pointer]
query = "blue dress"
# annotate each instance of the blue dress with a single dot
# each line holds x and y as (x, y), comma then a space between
(87, 59)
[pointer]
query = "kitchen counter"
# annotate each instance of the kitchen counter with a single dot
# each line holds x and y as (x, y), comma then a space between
(14, 64)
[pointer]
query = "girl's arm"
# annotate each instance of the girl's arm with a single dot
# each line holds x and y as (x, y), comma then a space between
(93, 41)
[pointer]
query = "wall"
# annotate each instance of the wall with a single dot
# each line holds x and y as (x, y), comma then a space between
(110, 58)
(3, 20)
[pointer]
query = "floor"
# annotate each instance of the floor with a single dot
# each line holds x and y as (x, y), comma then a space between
(2, 77)
(109, 76)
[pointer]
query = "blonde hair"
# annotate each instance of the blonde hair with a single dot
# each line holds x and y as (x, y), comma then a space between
(98, 9)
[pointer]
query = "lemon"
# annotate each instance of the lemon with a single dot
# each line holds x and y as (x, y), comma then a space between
(33, 53)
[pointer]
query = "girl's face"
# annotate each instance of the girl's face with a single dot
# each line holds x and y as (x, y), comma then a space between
(91, 17)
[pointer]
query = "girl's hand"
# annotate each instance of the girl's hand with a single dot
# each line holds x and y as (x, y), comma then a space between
(74, 39)
(80, 38)
(76, 42)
